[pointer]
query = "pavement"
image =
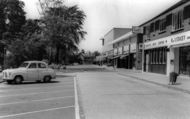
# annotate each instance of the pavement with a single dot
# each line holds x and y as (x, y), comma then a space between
(182, 83)
(107, 95)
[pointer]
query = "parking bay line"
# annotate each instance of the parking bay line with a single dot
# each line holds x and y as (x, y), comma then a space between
(36, 88)
(32, 112)
(47, 99)
(77, 111)
(37, 93)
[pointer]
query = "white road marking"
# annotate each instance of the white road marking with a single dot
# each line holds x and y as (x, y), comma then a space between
(14, 95)
(49, 87)
(32, 112)
(77, 112)
(29, 101)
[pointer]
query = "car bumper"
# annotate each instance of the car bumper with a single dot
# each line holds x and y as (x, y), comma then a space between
(7, 79)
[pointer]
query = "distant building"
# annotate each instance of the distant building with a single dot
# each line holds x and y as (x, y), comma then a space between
(107, 49)
(128, 51)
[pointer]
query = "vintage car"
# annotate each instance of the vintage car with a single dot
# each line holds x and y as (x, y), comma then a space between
(29, 71)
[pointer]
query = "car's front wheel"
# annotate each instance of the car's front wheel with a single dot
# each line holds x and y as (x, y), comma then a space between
(18, 80)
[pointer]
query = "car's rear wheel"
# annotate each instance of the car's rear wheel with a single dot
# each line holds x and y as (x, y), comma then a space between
(47, 79)
(18, 80)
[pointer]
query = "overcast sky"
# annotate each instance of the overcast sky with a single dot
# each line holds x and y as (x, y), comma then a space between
(103, 15)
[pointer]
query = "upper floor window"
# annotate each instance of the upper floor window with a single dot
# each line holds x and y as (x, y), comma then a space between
(186, 13)
(177, 20)
(152, 27)
(162, 24)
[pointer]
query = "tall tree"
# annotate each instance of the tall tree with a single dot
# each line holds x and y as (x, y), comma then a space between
(63, 28)
(12, 17)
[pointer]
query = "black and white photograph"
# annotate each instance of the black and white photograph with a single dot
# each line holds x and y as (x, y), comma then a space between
(94, 59)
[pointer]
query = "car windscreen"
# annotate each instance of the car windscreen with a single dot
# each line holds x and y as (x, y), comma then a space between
(24, 64)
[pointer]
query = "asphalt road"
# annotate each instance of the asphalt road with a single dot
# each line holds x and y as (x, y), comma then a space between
(55, 100)
(107, 95)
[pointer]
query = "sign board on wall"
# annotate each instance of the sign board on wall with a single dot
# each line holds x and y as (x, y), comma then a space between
(125, 49)
(173, 40)
(156, 43)
(133, 47)
(120, 50)
(115, 51)
(137, 29)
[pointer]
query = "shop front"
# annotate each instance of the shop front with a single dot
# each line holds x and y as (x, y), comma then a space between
(119, 60)
(184, 60)
(155, 56)
(125, 56)
(132, 56)
(156, 60)
(180, 48)
(169, 54)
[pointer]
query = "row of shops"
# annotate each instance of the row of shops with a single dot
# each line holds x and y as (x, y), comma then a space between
(127, 52)
(162, 47)
(160, 56)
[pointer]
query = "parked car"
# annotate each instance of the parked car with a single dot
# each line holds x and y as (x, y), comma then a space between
(29, 71)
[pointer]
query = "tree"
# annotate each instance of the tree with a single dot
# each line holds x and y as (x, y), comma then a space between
(12, 17)
(29, 45)
(96, 53)
(63, 28)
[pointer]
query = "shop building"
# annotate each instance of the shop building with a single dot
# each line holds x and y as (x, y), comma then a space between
(128, 51)
(107, 48)
(166, 40)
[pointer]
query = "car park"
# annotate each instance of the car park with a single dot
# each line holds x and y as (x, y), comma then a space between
(29, 71)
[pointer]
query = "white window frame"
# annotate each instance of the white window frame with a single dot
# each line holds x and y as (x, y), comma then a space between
(177, 20)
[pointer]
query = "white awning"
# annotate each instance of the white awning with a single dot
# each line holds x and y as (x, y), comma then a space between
(179, 45)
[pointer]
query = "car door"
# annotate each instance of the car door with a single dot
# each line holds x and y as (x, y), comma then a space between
(32, 72)
(42, 68)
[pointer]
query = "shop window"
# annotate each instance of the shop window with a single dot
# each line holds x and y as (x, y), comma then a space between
(162, 25)
(161, 56)
(177, 21)
(184, 61)
(152, 55)
(158, 56)
(164, 55)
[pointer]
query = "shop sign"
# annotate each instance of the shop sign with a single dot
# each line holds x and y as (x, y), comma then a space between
(125, 49)
(180, 39)
(173, 40)
(137, 29)
(120, 50)
(156, 43)
(133, 47)
(115, 51)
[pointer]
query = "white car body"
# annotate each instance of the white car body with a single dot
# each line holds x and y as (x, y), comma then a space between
(30, 71)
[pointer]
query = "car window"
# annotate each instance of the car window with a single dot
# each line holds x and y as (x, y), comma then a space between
(32, 65)
(41, 65)
(24, 64)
